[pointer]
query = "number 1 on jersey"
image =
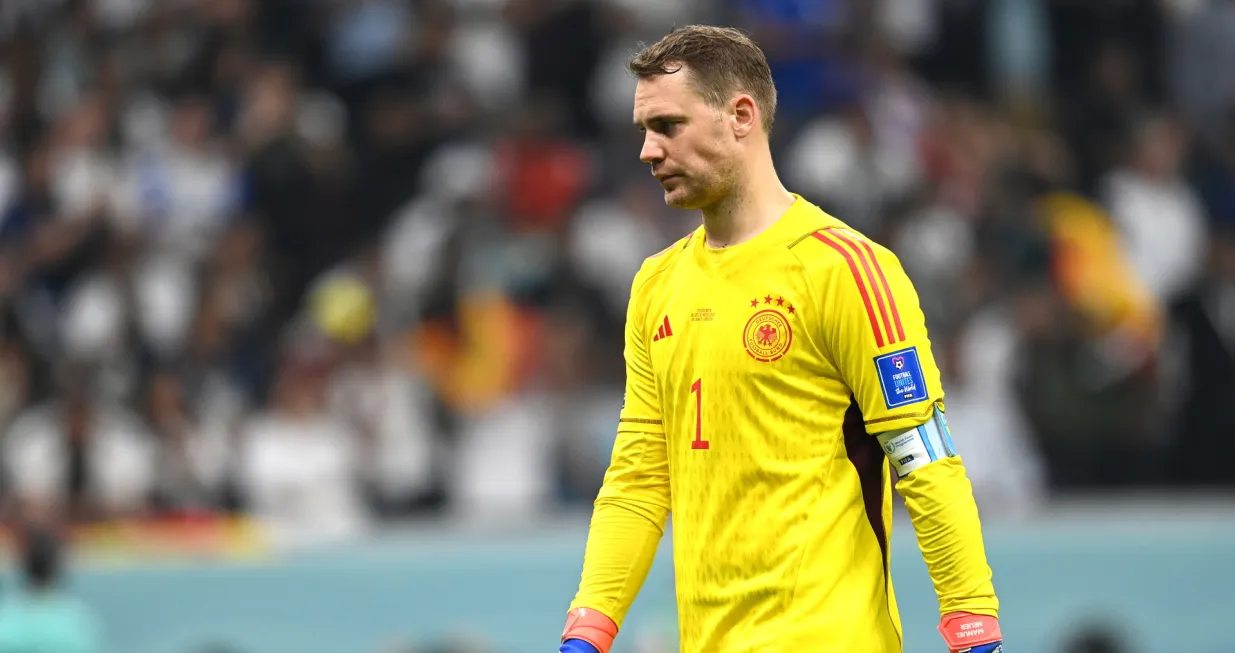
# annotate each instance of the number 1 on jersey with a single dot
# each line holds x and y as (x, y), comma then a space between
(696, 389)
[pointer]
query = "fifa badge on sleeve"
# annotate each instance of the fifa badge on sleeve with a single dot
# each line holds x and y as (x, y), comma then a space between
(901, 378)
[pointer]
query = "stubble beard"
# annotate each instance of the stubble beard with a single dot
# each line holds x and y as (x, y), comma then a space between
(696, 193)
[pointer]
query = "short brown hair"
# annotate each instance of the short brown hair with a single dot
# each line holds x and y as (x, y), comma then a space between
(722, 61)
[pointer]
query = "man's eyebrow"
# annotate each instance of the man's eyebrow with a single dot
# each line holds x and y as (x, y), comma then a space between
(659, 117)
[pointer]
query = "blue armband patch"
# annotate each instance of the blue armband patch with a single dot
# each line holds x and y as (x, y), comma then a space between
(900, 376)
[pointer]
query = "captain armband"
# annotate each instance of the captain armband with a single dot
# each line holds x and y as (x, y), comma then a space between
(912, 448)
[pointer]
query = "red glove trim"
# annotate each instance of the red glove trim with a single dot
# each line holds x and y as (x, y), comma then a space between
(962, 630)
(590, 626)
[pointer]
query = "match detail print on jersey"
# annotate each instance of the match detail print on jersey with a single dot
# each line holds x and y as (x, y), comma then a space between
(864, 266)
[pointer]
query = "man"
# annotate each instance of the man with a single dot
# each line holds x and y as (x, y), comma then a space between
(771, 355)
(43, 615)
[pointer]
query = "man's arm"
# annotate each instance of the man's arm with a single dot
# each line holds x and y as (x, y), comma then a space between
(877, 337)
(940, 502)
(631, 509)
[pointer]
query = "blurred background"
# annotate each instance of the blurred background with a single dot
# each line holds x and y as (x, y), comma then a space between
(311, 310)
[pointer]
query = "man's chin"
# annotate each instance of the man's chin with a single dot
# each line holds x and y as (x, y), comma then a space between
(678, 199)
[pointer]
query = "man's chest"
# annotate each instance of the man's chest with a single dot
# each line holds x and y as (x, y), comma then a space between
(736, 341)
(727, 324)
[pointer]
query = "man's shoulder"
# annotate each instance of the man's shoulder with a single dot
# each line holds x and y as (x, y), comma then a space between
(662, 261)
(833, 247)
(672, 251)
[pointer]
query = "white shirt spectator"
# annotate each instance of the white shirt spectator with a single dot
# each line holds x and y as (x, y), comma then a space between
(394, 407)
(988, 428)
(180, 198)
(10, 183)
(412, 253)
(486, 58)
(82, 180)
(122, 14)
(120, 456)
(165, 296)
(300, 477)
(220, 409)
(831, 162)
(93, 317)
(1163, 226)
(504, 466)
(910, 26)
(608, 243)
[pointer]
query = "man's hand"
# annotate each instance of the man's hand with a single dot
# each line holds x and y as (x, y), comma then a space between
(997, 647)
(971, 633)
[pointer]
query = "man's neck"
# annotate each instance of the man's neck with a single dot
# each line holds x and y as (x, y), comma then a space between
(747, 211)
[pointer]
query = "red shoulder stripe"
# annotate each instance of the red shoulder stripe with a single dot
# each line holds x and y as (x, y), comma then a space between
(896, 316)
(883, 311)
(857, 278)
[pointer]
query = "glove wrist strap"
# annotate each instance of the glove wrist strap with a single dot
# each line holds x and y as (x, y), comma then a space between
(963, 630)
(590, 626)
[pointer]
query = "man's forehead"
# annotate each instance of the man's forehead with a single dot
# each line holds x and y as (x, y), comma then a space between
(668, 84)
(661, 94)
(655, 108)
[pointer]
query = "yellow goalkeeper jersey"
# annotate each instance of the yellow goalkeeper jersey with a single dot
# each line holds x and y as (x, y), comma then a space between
(756, 375)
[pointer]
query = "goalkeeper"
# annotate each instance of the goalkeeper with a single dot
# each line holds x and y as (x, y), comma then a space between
(779, 379)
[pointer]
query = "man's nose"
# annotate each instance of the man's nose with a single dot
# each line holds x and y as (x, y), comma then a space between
(653, 152)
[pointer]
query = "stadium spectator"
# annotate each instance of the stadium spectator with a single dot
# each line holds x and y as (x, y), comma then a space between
(42, 615)
(178, 180)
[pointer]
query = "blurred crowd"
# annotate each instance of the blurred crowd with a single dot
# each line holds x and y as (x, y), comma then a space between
(329, 262)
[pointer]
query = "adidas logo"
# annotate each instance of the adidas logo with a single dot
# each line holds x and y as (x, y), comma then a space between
(664, 331)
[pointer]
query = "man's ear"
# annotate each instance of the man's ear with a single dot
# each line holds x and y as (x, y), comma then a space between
(745, 115)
